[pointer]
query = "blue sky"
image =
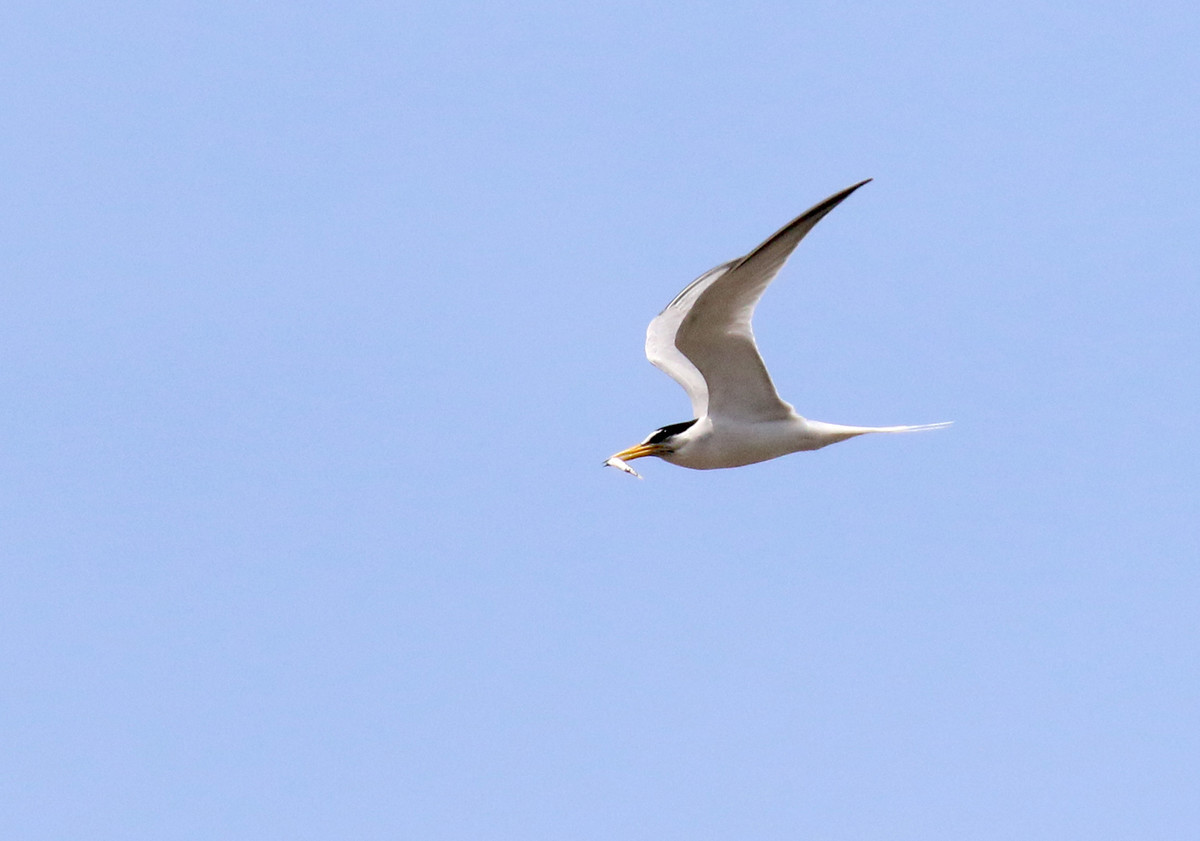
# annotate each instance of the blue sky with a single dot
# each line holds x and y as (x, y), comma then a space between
(320, 319)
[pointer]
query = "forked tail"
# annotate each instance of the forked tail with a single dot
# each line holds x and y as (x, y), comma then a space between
(831, 433)
(921, 427)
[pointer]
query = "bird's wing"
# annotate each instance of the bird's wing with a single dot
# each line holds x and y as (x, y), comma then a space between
(715, 335)
(660, 341)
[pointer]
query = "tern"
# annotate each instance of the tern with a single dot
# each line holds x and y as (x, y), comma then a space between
(703, 340)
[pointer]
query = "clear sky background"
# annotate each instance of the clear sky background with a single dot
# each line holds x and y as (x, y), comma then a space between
(319, 319)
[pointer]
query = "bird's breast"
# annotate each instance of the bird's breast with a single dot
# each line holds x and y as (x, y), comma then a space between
(729, 443)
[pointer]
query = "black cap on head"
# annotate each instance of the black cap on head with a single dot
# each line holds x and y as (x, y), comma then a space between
(668, 431)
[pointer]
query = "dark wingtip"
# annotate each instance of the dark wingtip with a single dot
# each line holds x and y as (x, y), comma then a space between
(801, 225)
(821, 208)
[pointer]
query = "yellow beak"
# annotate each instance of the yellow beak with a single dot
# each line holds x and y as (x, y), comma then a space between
(641, 451)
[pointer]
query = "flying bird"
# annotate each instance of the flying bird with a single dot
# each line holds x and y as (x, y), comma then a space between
(703, 340)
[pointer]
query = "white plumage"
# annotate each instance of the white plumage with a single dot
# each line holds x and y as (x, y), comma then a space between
(704, 341)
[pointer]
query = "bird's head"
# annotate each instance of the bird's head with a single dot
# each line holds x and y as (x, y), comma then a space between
(661, 442)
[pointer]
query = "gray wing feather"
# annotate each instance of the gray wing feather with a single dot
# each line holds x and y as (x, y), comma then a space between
(660, 341)
(714, 335)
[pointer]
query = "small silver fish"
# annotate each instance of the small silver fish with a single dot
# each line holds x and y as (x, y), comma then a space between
(622, 466)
